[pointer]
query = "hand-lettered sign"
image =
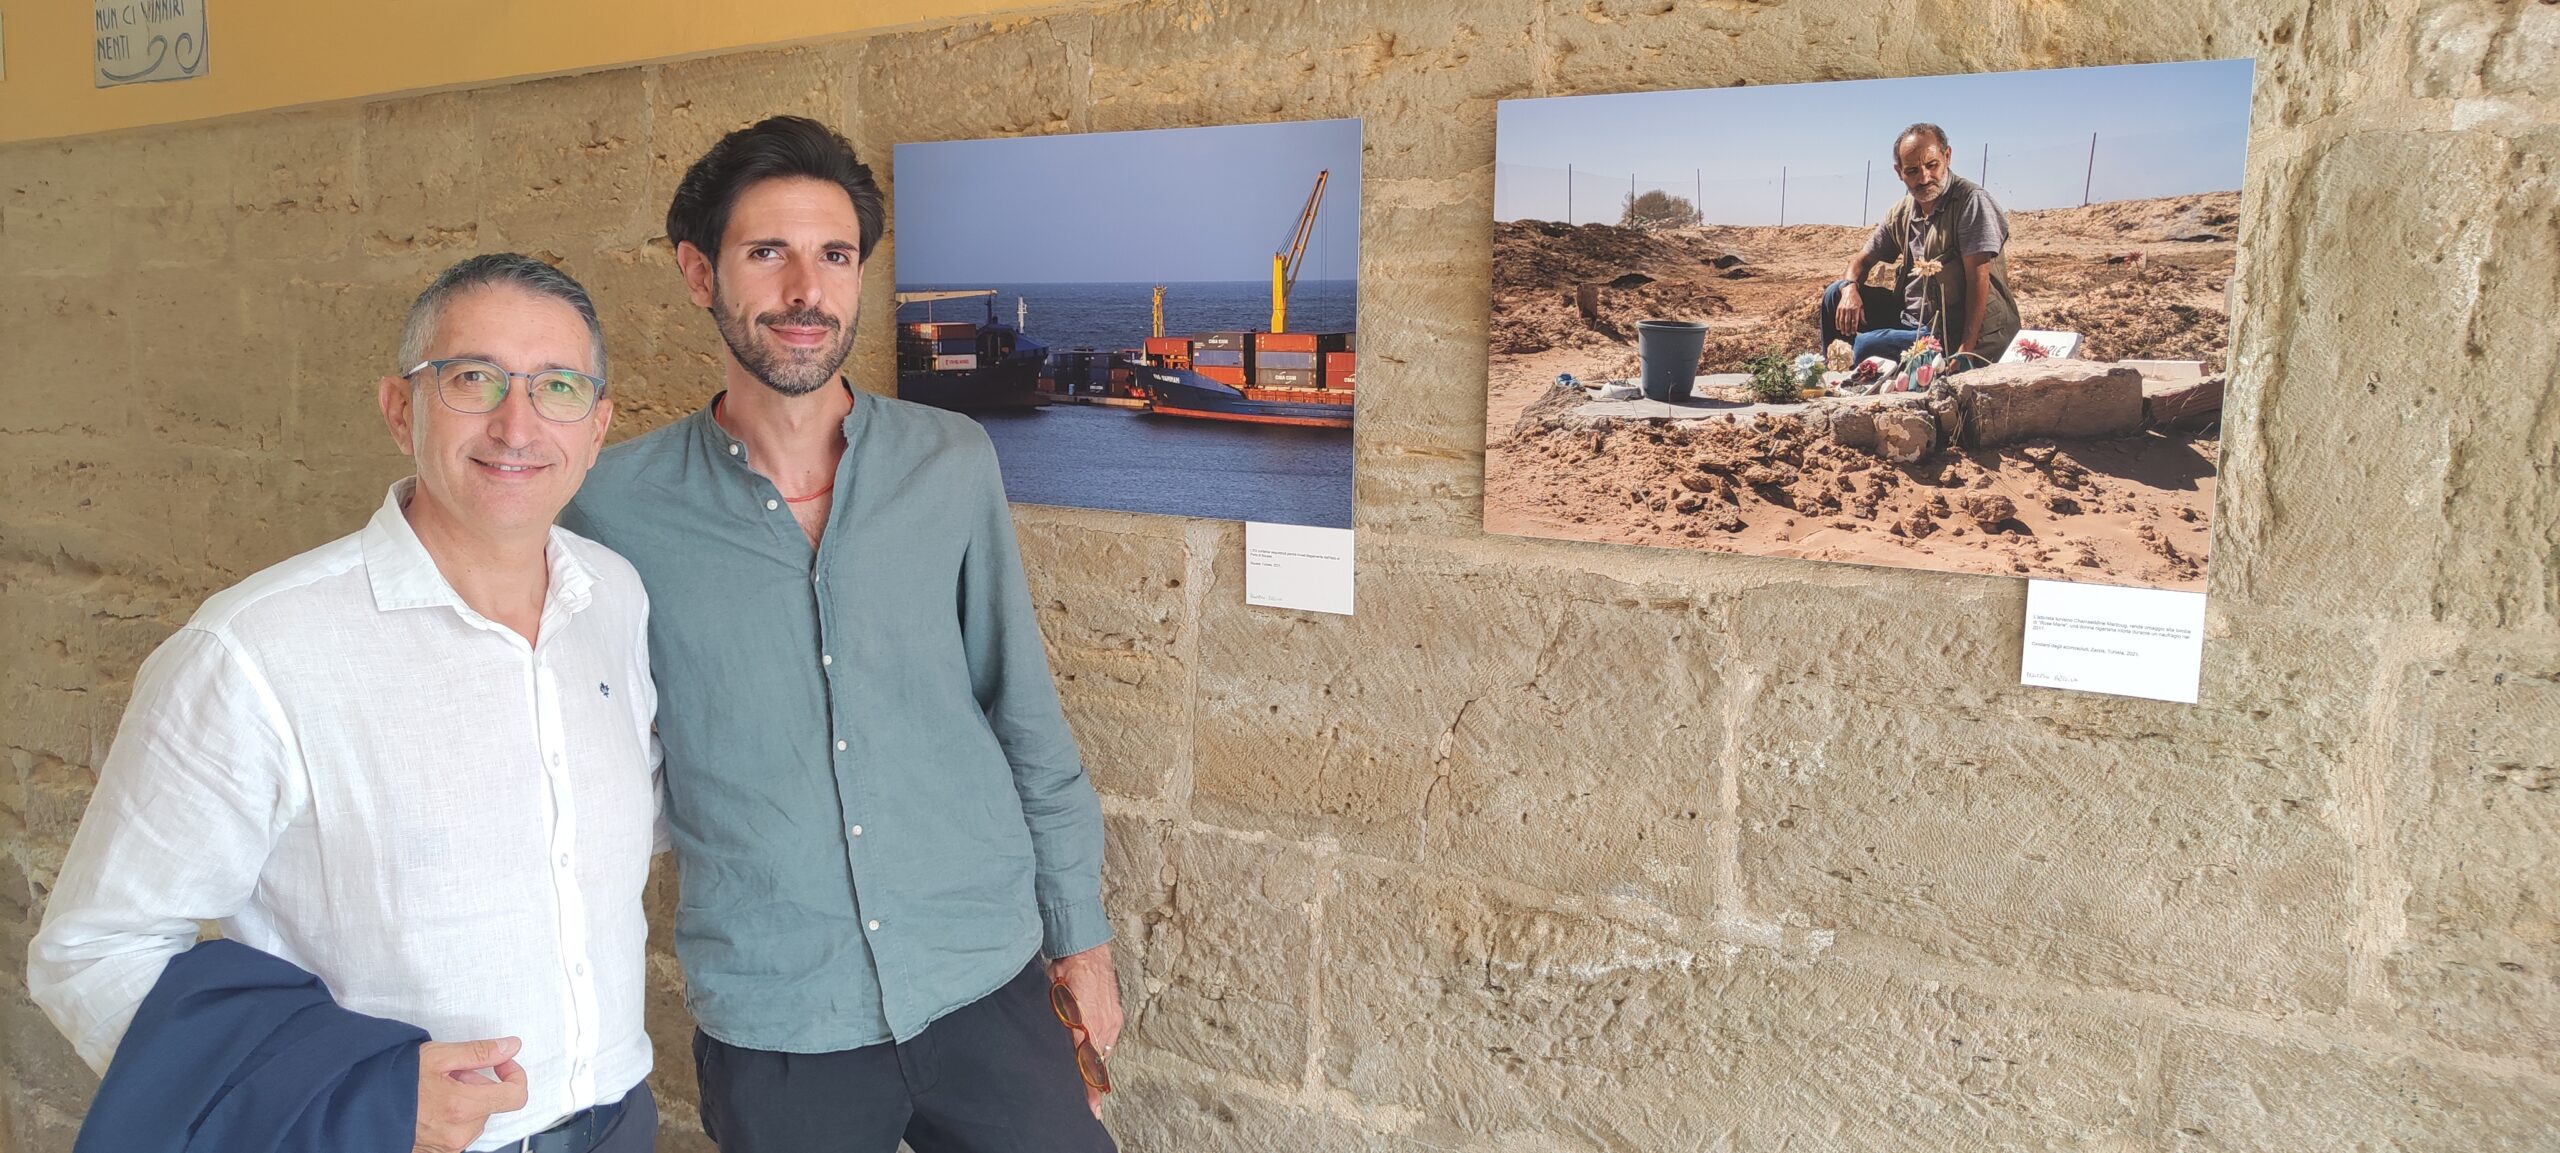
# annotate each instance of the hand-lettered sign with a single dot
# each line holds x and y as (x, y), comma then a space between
(139, 41)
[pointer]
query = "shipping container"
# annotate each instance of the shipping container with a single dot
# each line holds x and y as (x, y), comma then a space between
(1285, 377)
(1270, 359)
(1208, 356)
(1345, 380)
(1223, 341)
(945, 330)
(1301, 341)
(1168, 346)
(954, 363)
(1227, 376)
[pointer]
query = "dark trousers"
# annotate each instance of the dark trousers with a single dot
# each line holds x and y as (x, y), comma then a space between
(998, 1076)
(631, 1127)
(1878, 334)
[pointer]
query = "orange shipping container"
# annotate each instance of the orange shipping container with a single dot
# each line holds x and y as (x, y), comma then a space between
(1284, 341)
(1222, 374)
(1168, 346)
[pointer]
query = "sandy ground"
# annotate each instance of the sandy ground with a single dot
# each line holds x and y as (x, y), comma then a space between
(2127, 511)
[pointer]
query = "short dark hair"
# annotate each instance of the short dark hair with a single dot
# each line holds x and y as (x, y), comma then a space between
(513, 269)
(776, 147)
(1924, 128)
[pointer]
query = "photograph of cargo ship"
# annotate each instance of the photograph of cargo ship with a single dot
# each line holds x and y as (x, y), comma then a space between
(1178, 339)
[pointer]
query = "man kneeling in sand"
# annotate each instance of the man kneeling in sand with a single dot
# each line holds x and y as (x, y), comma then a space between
(1950, 280)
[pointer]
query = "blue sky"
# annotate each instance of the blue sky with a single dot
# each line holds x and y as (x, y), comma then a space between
(1182, 204)
(2163, 130)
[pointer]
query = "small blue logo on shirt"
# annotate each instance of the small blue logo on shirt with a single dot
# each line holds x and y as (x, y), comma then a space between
(604, 688)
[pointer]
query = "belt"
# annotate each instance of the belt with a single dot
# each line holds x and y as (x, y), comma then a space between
(577, 1134)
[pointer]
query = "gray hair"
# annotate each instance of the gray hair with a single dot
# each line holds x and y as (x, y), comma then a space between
(497, 268)
(1925, 131)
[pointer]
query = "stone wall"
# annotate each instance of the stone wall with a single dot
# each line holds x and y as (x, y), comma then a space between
(1553, 846)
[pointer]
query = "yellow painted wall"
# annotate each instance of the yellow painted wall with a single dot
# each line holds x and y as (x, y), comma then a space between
(280, 53)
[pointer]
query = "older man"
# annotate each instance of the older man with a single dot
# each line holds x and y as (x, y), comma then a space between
(1950, 279)
(415, 761)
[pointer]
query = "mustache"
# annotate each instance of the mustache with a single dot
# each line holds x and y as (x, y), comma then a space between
(800, 318)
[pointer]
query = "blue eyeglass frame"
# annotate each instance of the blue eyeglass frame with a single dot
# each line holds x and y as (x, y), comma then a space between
(511, 377)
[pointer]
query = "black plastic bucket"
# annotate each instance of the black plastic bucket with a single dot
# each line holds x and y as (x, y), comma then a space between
(1670, 349)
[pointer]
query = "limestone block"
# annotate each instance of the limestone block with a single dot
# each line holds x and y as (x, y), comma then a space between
(1431, 491)
(1851, 425)
(2526, 60)
(167, 211)
(2451, 44)
(2233, 1094)
(2477, 807)
(1161, 1107)
(2354, 448)
(1898, 782)
(1425, 77)
(2059, 399)
(1425, 265)
(1229, 946)
(1905, 435)
(564, 163)
(56, 204)
(1990, 35)
(342, 328)
(203, 372)
(696, 102)
(424, 189)
(1626, 45)
(1545, 726)
(1112, 606)
(2499, 562)
(2182, 403)
(65, 335)
(293, 186)
(1011, 77)
(1489, 1016)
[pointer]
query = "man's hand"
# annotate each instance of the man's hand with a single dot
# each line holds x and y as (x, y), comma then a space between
(455, 1099)
(1852, 311)
(1088, 975)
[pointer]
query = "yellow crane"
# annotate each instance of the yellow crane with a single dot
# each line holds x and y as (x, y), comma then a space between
(1159, 310)
(1284, 264)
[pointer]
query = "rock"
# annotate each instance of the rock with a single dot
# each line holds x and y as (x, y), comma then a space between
(2182, 404)
(2063, 399)
(1988, 510)
(1730, 260)
(1904, 435)
(1853, 426)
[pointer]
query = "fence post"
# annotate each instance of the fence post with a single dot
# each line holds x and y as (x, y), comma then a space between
(1867, 194)
(1782, 196)
(2092, 174)
(1568, 194)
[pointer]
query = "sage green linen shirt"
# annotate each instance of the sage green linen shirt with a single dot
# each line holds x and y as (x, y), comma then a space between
(879, 814)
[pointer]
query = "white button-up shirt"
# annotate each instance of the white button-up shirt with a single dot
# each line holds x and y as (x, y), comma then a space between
(345, 766)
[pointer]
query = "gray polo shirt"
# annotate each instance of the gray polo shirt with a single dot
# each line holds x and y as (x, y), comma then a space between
(1979, 229)
(878, 812)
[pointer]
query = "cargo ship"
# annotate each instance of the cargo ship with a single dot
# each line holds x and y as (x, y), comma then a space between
(1274, 377)
(1296, 378)
(967, 365)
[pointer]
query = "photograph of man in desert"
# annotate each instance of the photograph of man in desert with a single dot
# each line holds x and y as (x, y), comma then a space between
(1969, 323)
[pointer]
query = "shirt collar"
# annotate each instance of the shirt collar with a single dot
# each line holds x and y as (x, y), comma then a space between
(405, 577)
(716, 440)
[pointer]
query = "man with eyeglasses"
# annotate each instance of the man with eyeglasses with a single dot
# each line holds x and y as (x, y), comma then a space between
(415, 762)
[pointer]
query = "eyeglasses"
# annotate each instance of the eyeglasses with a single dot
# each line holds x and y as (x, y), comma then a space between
(1062, 1001)
(477, 386)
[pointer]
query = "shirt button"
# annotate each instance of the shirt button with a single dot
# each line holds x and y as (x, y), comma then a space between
(839, 746)
(824, 659)
(581, 970)
(856, 830)
(564, 860)
(771, 505)
(874, 926)
(733, 450)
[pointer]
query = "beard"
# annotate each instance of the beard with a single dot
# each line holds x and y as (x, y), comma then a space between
(789, 371)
